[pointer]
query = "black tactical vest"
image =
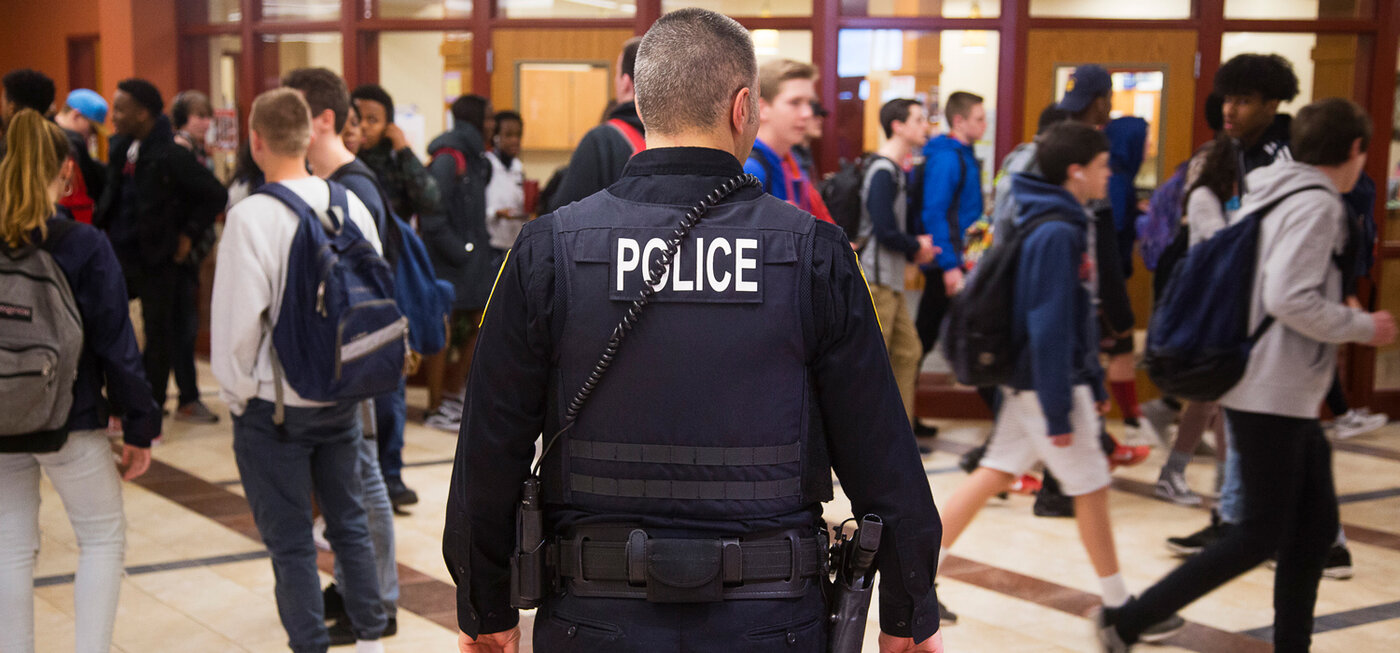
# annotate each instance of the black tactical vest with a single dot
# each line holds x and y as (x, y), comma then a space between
(707, 411)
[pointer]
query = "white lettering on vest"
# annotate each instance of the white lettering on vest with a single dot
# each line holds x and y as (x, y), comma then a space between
(741, 263)
(626, 263)
(720, 284)
(653, 245)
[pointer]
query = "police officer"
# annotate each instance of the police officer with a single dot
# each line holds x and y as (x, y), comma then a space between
(682, 499)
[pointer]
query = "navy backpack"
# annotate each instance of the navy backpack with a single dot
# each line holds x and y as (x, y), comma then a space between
(422, 297)
(1199, 338)
(339, 335)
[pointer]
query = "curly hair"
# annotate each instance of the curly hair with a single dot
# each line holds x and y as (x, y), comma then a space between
(1269, 75)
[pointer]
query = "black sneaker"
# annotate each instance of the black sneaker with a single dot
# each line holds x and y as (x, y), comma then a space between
(1106, 633)
(342, 635)
(400, 494)
(1048, 504)
(1163, 630)
(923, 431)
(334, 603)
(1198, 541)
(946, 617)
(1338, 563)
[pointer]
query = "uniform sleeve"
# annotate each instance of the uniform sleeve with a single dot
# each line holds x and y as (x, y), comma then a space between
(940, 178)
(423, 193)
(587, 168)
(503, 415)
(870, 440)
(100, 291)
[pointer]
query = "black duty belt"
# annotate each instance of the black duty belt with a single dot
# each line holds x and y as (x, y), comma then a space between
(675, 570)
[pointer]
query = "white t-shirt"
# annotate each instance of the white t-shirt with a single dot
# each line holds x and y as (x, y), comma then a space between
(249, 278)
(506, 191)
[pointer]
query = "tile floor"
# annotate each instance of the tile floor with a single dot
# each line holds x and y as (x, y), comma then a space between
(199, 581)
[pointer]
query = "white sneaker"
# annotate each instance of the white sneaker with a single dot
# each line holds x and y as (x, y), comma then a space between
(1173, 488)
(443, 421)
(1359, 421)
(318, 534)
(451, 406)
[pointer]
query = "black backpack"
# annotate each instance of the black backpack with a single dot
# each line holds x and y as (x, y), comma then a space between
(841, 193)
(977, 334)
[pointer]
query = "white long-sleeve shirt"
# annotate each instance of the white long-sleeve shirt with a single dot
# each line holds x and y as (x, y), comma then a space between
(249, 278)
(506, 191)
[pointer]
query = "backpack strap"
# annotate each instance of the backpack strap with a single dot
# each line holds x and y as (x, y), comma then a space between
(339, 208)
(458, 158)
(353, 170)
(1261, 213)
(770, 173)
(633, 136)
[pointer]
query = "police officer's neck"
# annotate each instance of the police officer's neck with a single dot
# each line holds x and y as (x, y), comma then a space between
(723, 142)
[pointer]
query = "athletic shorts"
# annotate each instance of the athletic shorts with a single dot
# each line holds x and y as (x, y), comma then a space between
(1020, 439)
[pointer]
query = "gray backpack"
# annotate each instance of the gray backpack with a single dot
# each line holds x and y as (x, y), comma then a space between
(41, 338)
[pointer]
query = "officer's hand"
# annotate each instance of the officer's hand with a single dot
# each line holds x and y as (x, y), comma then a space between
(892, 644)
(1062, 440)
(953, 281)
(506, 641)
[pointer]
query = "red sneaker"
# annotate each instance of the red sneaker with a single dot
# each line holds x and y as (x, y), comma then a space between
(1027, 484)
(1125, 456)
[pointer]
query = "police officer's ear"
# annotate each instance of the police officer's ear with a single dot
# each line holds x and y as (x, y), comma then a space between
(743, 121)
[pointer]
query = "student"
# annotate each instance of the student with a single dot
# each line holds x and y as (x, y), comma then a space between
(598, 160)
(325, 93)
(505, 195)
(82, 116)
(886, 247)
(952, 202)
(1050, 411)
(157, 205)
(1290, 501)
(192, 114)
(460, 248)
(78, 459)
(787, 90)
(24, 89)
(316, 448)
(353, 136)
(385, 150)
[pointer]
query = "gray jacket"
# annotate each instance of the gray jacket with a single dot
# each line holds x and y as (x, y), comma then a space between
(1298, 283)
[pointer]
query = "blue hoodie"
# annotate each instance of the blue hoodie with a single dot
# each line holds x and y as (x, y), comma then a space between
(946, 159)
(1053, 311)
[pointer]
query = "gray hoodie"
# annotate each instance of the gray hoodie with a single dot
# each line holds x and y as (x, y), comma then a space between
(1298, 283)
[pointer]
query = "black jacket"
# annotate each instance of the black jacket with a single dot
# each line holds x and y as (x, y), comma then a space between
(175, 196)
(599, 158)
(94, 173)
(456, 236)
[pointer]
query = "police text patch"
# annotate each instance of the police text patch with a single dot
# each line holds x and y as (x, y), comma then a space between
(717, 266)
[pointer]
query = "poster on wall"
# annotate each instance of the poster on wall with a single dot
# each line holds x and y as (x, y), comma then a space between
(226, 129)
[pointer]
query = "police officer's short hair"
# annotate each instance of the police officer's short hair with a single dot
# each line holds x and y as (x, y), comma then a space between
(689, 65)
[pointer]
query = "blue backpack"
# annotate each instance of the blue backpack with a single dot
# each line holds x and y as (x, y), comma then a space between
(1199, 337)
(423, 298)
(339, 335)
(1158, 227)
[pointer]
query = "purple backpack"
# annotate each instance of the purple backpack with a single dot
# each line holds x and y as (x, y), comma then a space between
(1157, 227)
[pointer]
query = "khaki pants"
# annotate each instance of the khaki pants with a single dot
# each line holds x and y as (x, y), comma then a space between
(901, 340)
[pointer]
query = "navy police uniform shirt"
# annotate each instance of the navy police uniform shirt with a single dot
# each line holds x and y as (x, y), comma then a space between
(765, 270)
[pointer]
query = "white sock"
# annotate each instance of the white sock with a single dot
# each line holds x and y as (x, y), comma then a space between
(362, 646)
(1115, 591)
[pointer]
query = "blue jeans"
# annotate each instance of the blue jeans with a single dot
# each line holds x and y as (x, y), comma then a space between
(315, 450)
(1230, 506)
(381, 528)
(390, 413)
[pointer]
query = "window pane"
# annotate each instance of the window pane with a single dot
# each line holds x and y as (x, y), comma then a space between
(761, 8)
(1137, 92)
(875, 66)
(770, 44)
(424, 72)
(424, 8)
(945, 8)
(1298, 49)
(1159, 9)
(567, 8)
(1284, 9)
(292, 51)
(214, 11)
(215, 62)
(297, 10)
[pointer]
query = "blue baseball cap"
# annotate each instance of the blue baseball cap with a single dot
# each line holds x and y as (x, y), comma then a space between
(89, 104)
(1086, 84)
